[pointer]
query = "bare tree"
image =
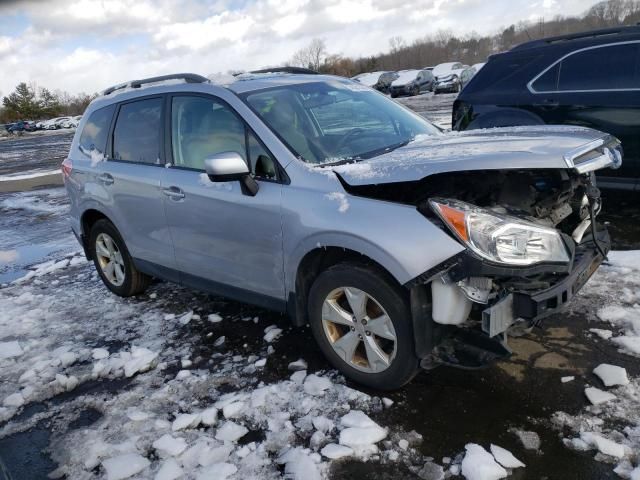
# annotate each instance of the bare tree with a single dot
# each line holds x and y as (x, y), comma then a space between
(312, 56)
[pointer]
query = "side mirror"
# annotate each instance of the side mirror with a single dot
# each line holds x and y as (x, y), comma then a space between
(230, 166)
(225, 167)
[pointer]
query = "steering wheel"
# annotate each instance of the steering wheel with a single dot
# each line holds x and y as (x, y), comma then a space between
(353, 132)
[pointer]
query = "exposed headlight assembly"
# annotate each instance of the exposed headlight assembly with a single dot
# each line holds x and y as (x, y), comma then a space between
(501, 238)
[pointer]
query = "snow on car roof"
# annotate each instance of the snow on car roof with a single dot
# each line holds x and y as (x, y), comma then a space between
(405, 76)
(369, 79)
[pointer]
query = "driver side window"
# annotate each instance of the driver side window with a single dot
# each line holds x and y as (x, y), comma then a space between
(201, 127)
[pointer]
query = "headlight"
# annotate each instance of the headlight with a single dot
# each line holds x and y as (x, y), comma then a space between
(501, 238)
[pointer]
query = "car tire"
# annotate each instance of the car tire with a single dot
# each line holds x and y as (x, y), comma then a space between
(113, 261)
(375, 360)
(394, 95)
(416, 91)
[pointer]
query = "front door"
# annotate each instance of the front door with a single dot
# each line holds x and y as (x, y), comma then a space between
(225, 241)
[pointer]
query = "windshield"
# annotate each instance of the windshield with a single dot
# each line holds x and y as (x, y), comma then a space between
(337, 121)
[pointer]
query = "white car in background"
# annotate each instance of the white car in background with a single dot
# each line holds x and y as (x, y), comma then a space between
(448, 76)
(368, 79)
(71, 122)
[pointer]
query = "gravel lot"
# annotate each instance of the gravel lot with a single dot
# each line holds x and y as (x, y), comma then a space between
(100, 377)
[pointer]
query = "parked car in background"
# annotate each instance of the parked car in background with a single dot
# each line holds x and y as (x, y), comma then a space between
(412, 82)
(451, 81)
(444, 69)
(478, 66)
(17, 127)
(589, 79)
(368, 79)
(30, 126)
(384, 82)
(71, 122)
(400, 245)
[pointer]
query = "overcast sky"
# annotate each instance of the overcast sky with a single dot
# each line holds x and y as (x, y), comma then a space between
(88, 45)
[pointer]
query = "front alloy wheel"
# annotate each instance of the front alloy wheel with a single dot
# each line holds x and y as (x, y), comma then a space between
(361, 319)
(110, 259)
(359, 330)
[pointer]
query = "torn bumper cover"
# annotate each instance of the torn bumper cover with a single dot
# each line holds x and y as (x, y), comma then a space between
(523, 293)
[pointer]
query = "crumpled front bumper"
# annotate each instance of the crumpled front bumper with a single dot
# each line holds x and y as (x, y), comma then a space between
(533, 305)
(539, 304)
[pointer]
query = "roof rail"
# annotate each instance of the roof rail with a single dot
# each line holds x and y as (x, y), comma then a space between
(294, 70)
(580, 35)
(187, 77)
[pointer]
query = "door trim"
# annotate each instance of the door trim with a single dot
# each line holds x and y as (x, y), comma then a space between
(210, 286)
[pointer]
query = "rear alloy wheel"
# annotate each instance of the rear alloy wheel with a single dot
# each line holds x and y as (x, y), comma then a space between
(362, 323)
(113, 262)
(110, 259)
(416, 91)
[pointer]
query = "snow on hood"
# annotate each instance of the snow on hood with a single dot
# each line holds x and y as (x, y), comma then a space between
(531, 147)
(405, 77)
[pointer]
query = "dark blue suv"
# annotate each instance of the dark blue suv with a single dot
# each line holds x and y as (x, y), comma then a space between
(589, 79)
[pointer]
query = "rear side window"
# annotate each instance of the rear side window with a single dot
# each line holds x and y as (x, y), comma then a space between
(96, 130)
(136, 136)
(606, 68)
(501, 72)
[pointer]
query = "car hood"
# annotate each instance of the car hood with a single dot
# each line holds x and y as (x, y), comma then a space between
(533, 147)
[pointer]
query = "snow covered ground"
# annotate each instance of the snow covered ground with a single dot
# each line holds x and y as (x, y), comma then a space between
(177, 384)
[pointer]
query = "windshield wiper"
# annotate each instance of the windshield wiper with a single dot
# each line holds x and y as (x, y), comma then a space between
(367, 155)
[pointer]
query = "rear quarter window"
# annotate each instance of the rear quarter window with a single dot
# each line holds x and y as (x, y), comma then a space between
(603, 68)
(502, 73)
(96, 130)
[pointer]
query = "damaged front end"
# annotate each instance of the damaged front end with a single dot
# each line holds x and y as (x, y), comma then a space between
(531, 241)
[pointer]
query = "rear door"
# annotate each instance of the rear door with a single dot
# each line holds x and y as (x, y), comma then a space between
(597, 87)
(225, 241)
(130, 180)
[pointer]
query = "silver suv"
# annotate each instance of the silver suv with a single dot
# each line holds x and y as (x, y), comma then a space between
(400, 245)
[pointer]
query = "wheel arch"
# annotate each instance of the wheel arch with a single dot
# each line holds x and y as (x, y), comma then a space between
(87, 221)
(317, 260)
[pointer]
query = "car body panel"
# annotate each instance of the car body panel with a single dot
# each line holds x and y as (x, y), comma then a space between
(259, 242)
(222, 235)
(490, 149)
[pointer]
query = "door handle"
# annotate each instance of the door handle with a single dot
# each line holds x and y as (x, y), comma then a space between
(106, 179)
(174, 193)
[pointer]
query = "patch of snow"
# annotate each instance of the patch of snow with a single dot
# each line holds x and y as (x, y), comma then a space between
(530, 440)
(602, 333)
(167, 445)
(478, 464)
(231, 432)
(271, 333)
(505, 458)
(604, 445)
(597, 396)
(124, 466)
(611, 374)
(335, 451)
(315, 385)
(341, 198)
(214, 318)
(10, 349)
(567, 379)
(185, 421)
(298, 365)
(170, 470)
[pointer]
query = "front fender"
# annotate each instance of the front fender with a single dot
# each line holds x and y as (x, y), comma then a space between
(396, 236)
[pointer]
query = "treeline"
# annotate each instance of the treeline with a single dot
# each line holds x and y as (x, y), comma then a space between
(28, 102)
(472, 48)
